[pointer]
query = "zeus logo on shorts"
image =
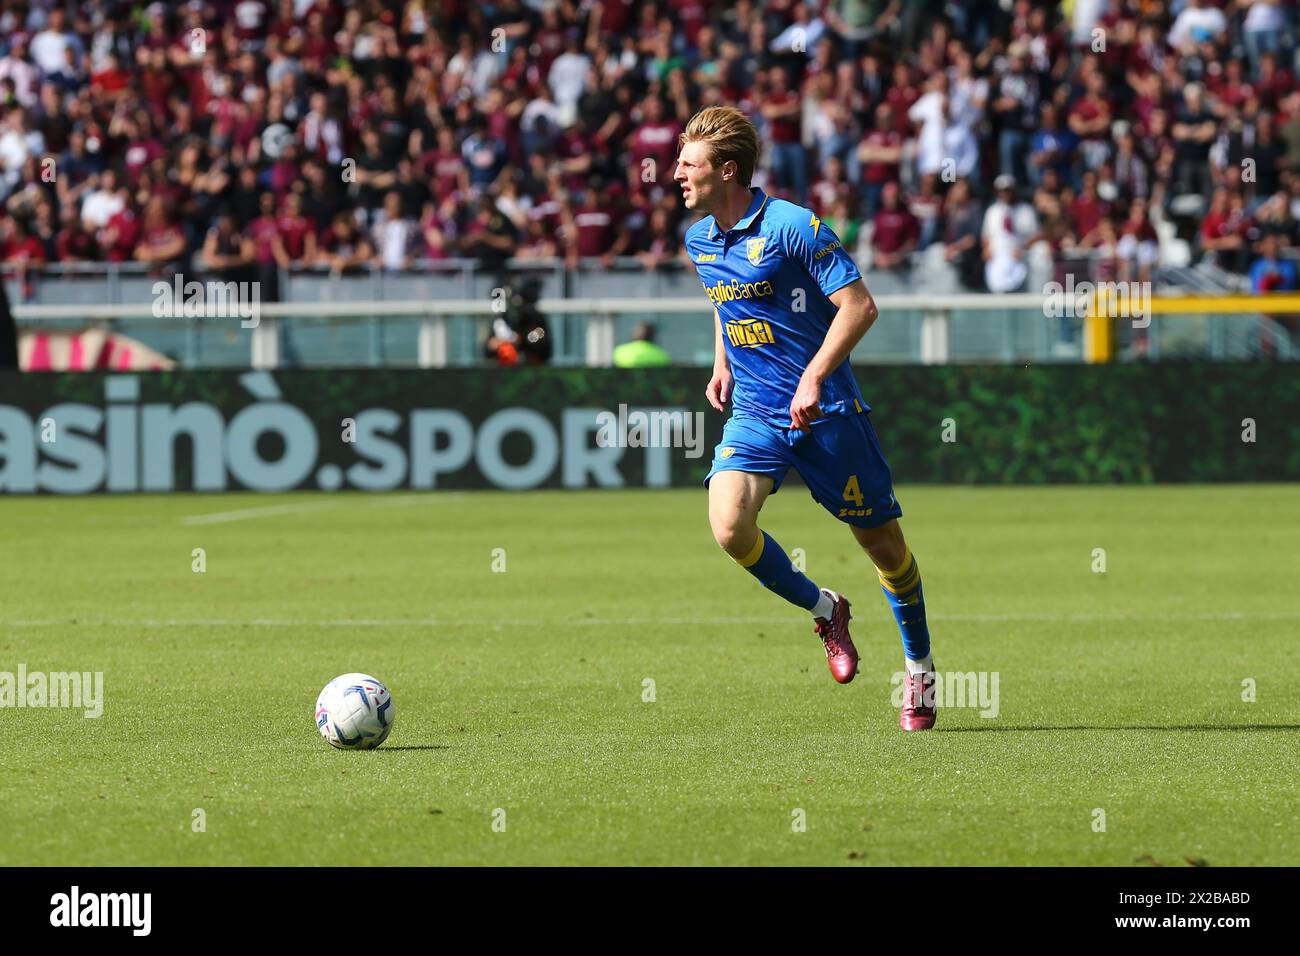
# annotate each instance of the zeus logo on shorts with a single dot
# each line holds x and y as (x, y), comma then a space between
(749, 333)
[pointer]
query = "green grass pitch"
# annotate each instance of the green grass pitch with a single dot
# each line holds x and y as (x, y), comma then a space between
(523, 691)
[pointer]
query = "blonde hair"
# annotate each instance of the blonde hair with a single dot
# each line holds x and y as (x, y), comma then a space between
(728, 135)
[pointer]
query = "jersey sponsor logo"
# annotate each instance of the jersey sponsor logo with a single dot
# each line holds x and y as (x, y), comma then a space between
(724, 291)
(854, 513)
(827, 250)
(754, 249)
(707, 257)
(728, 452)
(749, 333)
(816, 224)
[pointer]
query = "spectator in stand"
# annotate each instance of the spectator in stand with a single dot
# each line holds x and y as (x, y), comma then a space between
(112, 82)
(162, 241)
(782, 110)
(1267, 154)
(1274, 215)
(927, 206)
(1270, 272)
(1090, 117)
(1223, 231)
(297, 233)
(101, 203)
(262, 247)
(1139, 246)
(538, 243)
(961, 236)
(575, 150)
(22, 202)
(394, 235)
(18, 143)
(485, 157)
(1102, 241)
(902, 95)
(655, 138)
(1132, 173)
(490, 236)
(1274, 83)
(374, 173)
(56, 48)
(444, 165)
(1015, 111)
(592, 231)
(121, 233)
(17, 67)
(21, 247)
(1052, 147)
(438, 228)
(1263, 30)
(245, 195)
(343, 246)
(1088, 209)
(895, 232)
(46, 229)
(831, 187)
(880, 154)
(1196, 24)
(322, 194)
(75, 242)
(929, 113)
(224, 251)
(511, 200)
(1193, 132)
(322, 133)
(659, 244)
(1004, 248)
(830, 120)
(567, 76)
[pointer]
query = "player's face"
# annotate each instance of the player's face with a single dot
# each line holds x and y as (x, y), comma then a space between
(696, 176)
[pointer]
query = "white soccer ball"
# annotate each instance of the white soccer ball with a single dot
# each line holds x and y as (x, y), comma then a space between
(355, 712)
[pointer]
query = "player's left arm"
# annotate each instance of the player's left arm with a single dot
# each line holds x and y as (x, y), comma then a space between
(856, 312)
(822, 255)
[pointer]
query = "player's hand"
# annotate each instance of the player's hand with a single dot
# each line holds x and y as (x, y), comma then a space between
(719, 389)
(805, 408)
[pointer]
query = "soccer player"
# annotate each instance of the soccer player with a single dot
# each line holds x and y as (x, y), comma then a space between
(789, 306)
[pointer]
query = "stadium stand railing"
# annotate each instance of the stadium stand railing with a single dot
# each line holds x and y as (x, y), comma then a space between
(435, 332)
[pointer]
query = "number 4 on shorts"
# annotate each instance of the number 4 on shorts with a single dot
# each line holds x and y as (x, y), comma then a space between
(852, 492)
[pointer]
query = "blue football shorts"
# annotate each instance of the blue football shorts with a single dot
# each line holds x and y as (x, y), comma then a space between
(839, 460)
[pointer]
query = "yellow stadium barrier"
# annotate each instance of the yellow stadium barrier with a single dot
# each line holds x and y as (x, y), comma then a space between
(1099, 328)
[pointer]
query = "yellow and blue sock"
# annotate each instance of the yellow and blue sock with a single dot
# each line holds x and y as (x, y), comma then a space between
(902, 588)
(767, 562)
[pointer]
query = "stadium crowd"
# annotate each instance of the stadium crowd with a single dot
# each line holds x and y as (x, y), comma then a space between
(240, 136)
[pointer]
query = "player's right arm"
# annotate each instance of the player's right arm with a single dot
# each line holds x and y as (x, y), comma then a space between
(719, 388)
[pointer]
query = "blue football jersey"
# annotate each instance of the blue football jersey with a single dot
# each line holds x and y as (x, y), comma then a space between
(770, 277)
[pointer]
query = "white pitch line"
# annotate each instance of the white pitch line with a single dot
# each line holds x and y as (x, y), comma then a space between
(607, 622)
(263, 511)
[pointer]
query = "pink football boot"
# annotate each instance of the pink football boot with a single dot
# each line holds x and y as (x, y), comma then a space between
(918, 711)
(841, 655)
